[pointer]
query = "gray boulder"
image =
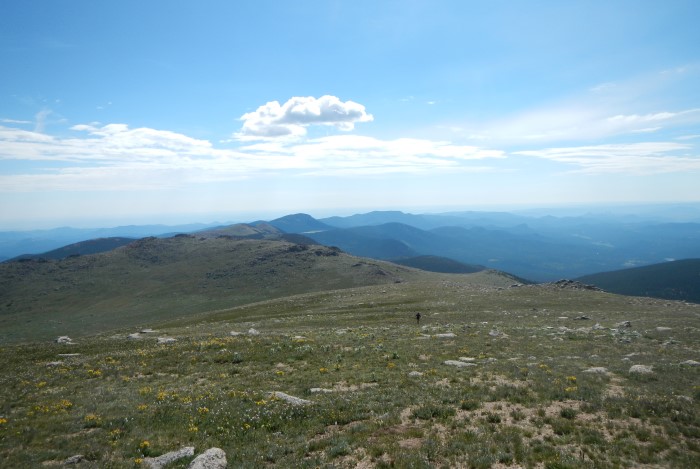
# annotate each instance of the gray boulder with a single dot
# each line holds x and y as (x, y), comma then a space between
(167, 458)
(213, 458)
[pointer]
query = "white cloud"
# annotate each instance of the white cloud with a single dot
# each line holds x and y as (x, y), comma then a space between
(115, 157)
(14, 121)
(639, 158)
(291, 118)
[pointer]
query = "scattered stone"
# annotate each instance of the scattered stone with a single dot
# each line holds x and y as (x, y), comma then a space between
(601, 370)
(167, 458)
(235, 333)
(641, 369)
(213, 458)
(467, 359)
(663, 329)
(447, 335)
(166, 340)
(74, 459)
(134, 336)
(59, 363)
(690, 363)
(252, 331)
(458, 363)
(624, 324)
(64, 339)
(320, 390)
(415, 374)
(291, 399)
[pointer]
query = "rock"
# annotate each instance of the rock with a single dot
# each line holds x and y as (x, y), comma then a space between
(624, 324)
(68, 354)
(166, 340)
(415, 374)
(690, 363)
(663, 329)
(147, 331)
(458, 364)
(597, 370)
(467, 359)
(54, 363)
(74, 459)
(597, 327)
(641, 369)
(213, 458)
(235, 333)
(494, 333)
(291, 399)
(447, 335)
(252, 331)
(167, 458)
(322, 390)
(582, 318)
(64, 339)
(135, 335)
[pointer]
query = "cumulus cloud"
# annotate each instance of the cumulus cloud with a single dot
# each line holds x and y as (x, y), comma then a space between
(293, 117)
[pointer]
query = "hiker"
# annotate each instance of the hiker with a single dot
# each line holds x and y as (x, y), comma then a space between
(417, 318)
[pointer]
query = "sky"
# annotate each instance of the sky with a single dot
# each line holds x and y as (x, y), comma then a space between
(167, 111)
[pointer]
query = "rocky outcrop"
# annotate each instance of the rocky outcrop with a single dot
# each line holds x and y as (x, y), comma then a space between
(213, 458)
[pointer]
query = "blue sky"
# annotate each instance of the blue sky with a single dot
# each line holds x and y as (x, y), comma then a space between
(174, 111)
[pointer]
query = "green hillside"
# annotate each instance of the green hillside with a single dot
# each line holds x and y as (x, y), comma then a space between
(676, 280)
(439, 264)
(153, 279)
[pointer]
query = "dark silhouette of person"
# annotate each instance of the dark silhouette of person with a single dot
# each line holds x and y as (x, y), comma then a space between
(417, 318)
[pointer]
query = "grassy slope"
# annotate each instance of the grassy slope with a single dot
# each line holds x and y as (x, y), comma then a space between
(155, 279)
(527, 402)
(677, 280)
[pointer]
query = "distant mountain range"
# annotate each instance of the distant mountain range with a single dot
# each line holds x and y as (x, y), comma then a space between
(542, 248)
(536, 248)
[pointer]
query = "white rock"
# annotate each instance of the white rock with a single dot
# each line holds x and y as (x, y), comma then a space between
(641, 369)
(597, 370)
(78, 458)
(690, 363)
(458, 364)
(446, 335)
(135, 335)
(64, 339)
(252, 331)
(415, 374)
(147, 331)
(291, 399)
(167, 458)
(235, 333)
(213, 458)
(166, 340)
(467, 359)
(320, 390)
(663, 329)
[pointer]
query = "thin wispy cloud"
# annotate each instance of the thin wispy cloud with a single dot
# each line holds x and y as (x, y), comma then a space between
(635, 158)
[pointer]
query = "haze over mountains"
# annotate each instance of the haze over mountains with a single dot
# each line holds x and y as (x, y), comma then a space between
(538, 248)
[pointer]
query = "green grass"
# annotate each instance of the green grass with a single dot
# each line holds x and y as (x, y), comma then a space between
(528, 401)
